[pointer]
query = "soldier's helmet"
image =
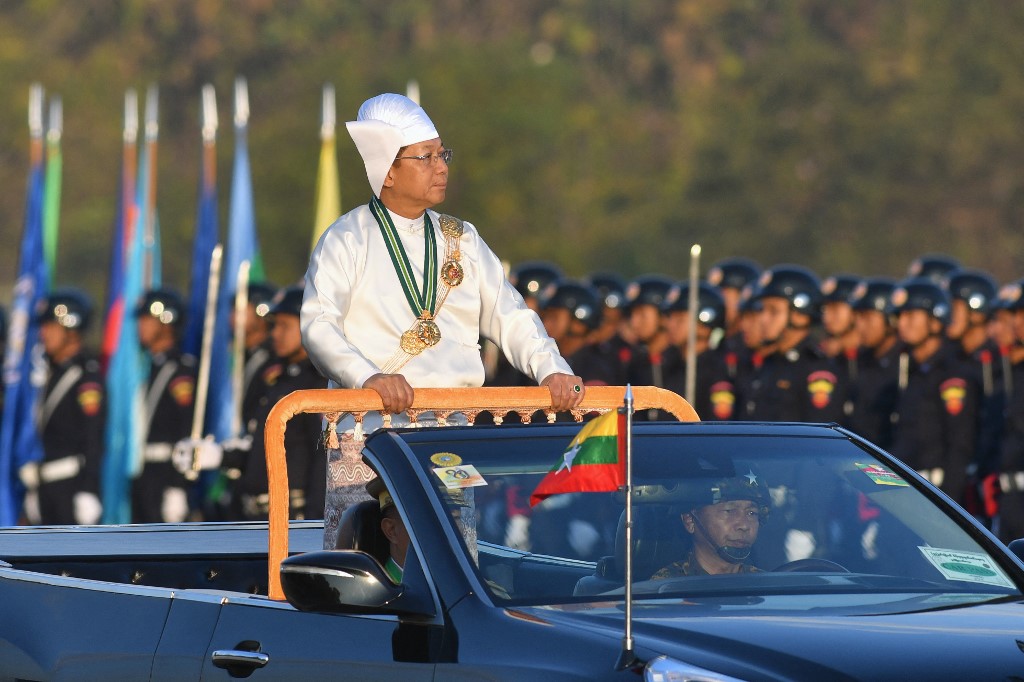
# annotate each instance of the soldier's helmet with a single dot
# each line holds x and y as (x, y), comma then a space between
(920, 293)
(648, 290)
(70, 308)
(734, 273)
(796, 284)
(578, 298)
(872, 294)
(165, 305)
(839, 288)
(287, 301)
(933, 266)
(611, 289)
(710, 304)
(701, 492)
(1011, 296)
(531, 278)
(975, 288)
(261, 294)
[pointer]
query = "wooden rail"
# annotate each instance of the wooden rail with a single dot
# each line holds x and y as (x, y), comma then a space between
(441, 401)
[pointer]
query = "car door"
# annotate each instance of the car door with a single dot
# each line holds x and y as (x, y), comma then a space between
(273, 641)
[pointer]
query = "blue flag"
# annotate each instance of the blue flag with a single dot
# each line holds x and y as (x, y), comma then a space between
(207, 231)
(24, 368)
(242, 245)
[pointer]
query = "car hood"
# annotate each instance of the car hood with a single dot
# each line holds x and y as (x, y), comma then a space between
(810, 637)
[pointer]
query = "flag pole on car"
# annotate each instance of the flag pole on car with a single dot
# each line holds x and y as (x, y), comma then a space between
(627, 658)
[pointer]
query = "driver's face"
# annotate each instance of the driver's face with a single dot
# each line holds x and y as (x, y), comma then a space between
(733, 523)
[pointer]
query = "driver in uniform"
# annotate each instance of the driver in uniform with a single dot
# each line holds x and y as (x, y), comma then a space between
(723, 524)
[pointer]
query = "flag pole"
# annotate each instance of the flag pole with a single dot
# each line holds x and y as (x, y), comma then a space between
(238, 348)
(691, 327)
(627, 658)
(203, 377)
(152, 132)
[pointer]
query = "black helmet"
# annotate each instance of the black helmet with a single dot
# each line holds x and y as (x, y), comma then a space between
(260, 295)
(163, 304)
(920, 293)
(796, 284)
(975, 288)
(530, 279)
(839, 288)
(734, 273)
(749, 302)
(1011, 296)
(287, 301)
(648, 290)
(710, 304)
(578, 298)
(611, 289)
(873, 294)
(70, 308)
(933, 266)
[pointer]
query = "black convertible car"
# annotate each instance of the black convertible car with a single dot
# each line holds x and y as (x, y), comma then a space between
(856, 569)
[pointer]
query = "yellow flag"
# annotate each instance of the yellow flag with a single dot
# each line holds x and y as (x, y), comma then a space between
(328, 190)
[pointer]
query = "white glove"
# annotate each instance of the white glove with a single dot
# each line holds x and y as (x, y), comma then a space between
(238, 443)
(87, 508)
(29, 475)
(31, 507)
(204, 452)
(174, 505)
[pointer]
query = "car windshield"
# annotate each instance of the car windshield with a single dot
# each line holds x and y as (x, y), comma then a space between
(741, 509)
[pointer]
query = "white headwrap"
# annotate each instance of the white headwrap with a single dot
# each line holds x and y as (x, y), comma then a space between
(385, 124)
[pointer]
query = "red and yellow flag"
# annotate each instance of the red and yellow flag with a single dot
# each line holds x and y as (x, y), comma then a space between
(595, 460)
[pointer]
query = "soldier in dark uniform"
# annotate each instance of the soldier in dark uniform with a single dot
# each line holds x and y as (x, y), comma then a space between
(714, 394)
(736, 278)
(530, 279)
(71, 418)
(160, 492)
(873, 394)
(1011, 475)
(973, 294)
(615, 339)
(645, 297)
(936, 413)
(796, 381)
(841, 340)
(307, 461)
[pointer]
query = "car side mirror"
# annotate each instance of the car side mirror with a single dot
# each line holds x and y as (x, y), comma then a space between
(346, 581)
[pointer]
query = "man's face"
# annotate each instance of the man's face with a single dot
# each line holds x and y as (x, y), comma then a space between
(733, 523)
(774, 318)
(872, 327)
(958, 320)
(151, 330)
(286, 336)
(677, 325)
(557, 322)
(837, 318)
(418, 183)
(750, 327)
(915, 326)
(645, 320)
(398, 537)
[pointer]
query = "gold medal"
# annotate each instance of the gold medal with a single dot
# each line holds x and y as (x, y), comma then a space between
(427, 331)
(411, 343)
(450, 227)
(452, 273)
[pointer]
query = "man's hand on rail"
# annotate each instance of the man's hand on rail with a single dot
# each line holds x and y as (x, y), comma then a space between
(394, 391)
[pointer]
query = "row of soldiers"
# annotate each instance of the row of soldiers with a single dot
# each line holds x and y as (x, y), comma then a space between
(65, 486)
(924, 366)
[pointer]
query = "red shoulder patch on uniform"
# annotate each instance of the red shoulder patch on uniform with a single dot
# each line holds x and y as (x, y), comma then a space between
(821, 385)
(90, 398)
(271, 373)
(183, 390)
(723, 399)
(953, 391)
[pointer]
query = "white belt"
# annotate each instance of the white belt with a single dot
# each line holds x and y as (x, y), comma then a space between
(60, 469)
(157, 452)
(1012, 481)
(935, 476)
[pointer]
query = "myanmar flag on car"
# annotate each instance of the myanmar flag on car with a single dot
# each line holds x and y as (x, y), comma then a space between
(594, 462)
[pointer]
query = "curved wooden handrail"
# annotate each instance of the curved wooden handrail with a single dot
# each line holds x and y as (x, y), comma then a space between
(470, 401)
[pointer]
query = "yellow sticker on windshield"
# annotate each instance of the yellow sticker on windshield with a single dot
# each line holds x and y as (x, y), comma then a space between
(446, 459)
(880, 475)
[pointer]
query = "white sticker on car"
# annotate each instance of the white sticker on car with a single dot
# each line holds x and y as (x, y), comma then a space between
(971, 567)
(460, 476)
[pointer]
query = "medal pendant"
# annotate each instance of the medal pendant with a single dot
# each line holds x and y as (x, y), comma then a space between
(452, 273)
(450, 227)
(427, 332)
(411, 343)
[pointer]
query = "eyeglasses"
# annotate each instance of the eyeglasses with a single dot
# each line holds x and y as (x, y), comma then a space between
(444, 155)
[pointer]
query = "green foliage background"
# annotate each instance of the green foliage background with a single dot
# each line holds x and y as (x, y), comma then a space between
(847, 135)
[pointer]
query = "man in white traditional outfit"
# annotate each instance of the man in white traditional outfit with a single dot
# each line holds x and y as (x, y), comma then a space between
(398, 296)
